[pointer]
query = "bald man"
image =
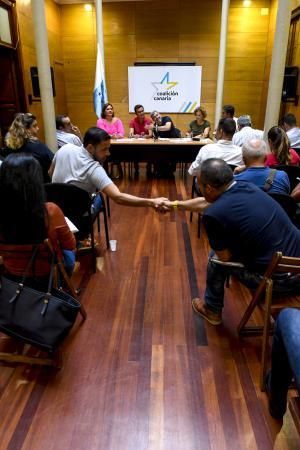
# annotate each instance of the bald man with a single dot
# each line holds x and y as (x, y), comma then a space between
(254, 155)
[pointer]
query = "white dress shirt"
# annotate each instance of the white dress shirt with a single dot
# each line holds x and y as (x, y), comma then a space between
(246, 134)
(232, 154)
(294, 137)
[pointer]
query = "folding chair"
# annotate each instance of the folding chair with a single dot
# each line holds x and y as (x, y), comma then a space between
(53, 359)
(270, 306)
(75, 203)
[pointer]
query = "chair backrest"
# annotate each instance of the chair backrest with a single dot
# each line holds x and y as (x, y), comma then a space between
(286, 202)
(292, 172)
(73, 201)
(288, 264)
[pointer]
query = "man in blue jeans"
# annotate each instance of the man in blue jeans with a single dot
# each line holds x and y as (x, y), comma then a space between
(285, 361)
(243, 224)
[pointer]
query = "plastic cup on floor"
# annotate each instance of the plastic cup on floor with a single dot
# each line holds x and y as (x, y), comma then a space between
(113, 245)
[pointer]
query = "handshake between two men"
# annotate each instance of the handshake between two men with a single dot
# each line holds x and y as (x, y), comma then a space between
(164, 205)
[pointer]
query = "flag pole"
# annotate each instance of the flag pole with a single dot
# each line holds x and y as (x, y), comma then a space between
(99, 27)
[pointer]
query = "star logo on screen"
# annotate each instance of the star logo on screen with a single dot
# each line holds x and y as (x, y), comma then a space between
(164, 85)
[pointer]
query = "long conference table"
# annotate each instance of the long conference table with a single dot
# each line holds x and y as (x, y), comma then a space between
(147, 150)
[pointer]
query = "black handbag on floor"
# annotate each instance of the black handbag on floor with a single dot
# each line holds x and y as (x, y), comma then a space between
(42, 319)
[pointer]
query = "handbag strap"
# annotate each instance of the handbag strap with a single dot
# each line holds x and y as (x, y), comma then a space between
(269, 180)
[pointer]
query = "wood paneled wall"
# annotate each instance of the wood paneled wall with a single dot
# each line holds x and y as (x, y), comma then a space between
(289, 107)
(53, 19)
(174, 30)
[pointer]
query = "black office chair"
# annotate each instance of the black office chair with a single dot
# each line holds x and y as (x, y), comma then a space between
(75, 203)
(293, 172)
(288, 204)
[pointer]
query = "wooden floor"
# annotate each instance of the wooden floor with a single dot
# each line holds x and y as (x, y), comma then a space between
(143, 372)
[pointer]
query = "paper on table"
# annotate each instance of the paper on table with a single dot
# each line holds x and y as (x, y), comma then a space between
(71, 226)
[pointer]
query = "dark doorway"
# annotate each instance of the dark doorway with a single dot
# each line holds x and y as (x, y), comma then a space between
(12, 94)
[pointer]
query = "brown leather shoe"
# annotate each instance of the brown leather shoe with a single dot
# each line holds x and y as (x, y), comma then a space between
(201, 309)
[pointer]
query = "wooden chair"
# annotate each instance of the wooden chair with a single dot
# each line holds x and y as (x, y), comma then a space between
(53, 359)
(271, 306)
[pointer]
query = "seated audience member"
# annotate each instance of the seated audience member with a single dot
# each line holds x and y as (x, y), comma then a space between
(200, 127)
(292, 131)
(66, 132)
(269, 180)
(28, 219)
(243, 224)
(223, 149)
(285, 361)
(111, 124)
(23, 138)
(281, 153)
(246, 132)
(163, 127)
(139, 126)
(81, 166)
(228, 113)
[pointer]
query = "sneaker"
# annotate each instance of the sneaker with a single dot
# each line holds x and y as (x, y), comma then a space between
(277, 408)
(202, 310)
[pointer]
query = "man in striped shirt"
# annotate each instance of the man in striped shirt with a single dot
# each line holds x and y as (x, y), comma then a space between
(246, 132)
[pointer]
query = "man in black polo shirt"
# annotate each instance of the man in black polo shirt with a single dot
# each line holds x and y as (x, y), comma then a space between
(163, 127)
(243, 224)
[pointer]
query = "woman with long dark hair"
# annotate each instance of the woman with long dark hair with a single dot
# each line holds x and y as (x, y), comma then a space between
(26, 218)
(281, 153)
(23, 137)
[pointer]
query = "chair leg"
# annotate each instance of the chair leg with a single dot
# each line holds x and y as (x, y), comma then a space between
(93, 246)
(106, 226)
(252, 305)
(266, 332)
(98, 223)
(108, 206)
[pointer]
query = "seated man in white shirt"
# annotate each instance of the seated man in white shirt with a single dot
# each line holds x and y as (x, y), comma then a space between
(223, 149)
(66, 132)
(246, 132)
(292, 131)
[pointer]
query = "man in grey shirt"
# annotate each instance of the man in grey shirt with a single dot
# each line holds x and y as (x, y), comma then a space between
(81, 166)
(66, 132)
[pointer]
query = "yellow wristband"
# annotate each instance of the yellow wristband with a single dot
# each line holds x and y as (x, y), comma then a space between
(175, 204)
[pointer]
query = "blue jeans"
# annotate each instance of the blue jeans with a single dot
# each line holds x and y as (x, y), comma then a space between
(285, 356)
(69, 261)
(83, 222)
(216, 276)
(96, 205)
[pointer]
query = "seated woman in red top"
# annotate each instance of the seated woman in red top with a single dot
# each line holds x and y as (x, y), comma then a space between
(27, 219)
(281, 153)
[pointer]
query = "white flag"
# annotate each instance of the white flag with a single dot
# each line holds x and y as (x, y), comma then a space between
(100, 93)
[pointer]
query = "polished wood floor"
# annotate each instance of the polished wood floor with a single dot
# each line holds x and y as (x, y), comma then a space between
(143, 372)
